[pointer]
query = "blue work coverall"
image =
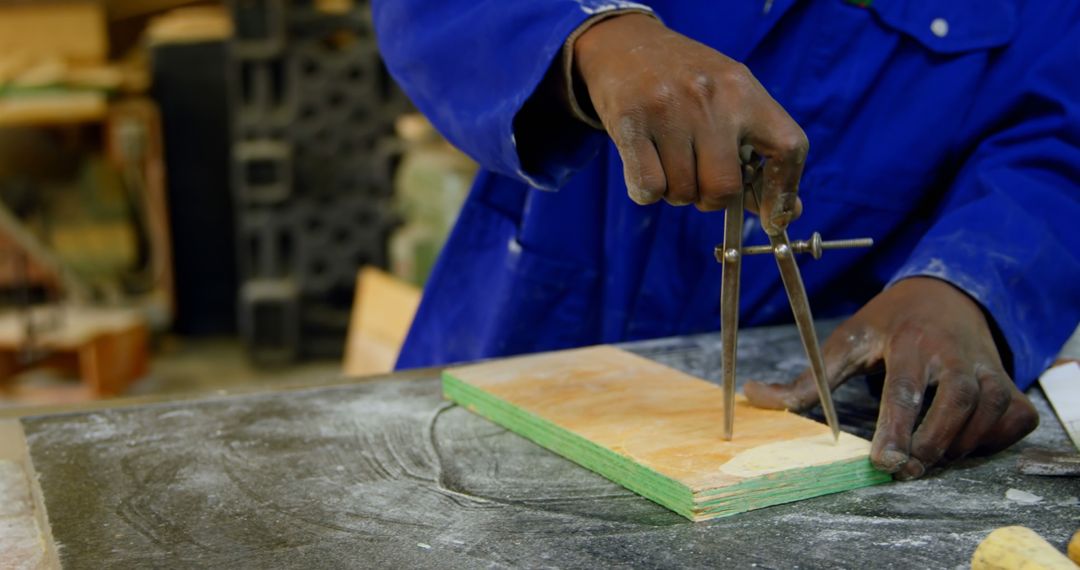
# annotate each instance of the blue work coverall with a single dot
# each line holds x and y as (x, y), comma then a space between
(947, 131)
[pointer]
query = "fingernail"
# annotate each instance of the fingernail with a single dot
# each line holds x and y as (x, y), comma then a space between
(891, 460)
(792, 404)
(913, 469)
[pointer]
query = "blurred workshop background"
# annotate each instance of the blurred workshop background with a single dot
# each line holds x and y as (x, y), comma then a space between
(204, 196)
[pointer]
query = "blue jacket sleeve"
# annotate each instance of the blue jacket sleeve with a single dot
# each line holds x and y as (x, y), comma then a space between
(1008, 233)
(470, 66)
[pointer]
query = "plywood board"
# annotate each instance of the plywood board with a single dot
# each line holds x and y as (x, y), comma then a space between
(658, 431)
(383, 310)
(73, 31)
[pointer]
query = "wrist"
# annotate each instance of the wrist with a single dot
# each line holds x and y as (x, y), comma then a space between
(584, 49)
(592, 43)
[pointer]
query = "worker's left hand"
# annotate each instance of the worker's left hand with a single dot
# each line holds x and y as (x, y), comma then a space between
(926, 333)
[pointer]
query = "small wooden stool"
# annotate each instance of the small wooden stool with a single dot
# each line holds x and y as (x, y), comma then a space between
(107, 349)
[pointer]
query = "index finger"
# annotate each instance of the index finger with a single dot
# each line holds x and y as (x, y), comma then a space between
(779, 139)
(845, 355)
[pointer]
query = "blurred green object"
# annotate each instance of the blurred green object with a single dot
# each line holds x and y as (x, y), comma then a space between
(89, 223)
(430, 186)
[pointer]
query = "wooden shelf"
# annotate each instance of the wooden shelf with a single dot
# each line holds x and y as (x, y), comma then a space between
(53, 109)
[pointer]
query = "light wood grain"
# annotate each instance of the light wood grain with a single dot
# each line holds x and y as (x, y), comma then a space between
(383, 309)
(1018, 548)
(661, 421)
(53, 109)
(25, 536)
(73, 31)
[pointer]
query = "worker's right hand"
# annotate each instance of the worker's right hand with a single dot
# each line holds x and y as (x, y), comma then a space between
(679, 111)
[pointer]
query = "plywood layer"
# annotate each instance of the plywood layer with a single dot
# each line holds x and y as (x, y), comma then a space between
(658, 431)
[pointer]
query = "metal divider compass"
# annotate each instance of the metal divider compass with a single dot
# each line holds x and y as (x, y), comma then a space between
(730, 254)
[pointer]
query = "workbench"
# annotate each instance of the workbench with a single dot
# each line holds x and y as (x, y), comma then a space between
(384, 473)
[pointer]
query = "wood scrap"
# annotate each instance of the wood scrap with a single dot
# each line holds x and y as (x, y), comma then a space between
(383, 309)
(25, 536)
(1049, 463)
(60, 108)
(658, 431)
(1074, 547)
(190, 25)
(1061, 384)
(1015, 548)
(73, 30)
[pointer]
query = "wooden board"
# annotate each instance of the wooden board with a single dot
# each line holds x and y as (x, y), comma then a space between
(73, 30)
(658, 431)
(25, 537)
(53, 109)
(382, 311)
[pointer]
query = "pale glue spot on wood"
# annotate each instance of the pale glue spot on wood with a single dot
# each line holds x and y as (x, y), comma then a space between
(795, 454)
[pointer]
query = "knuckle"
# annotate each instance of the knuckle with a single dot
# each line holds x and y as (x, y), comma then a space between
(643, 198)
(964, 392)
(1024, 417)
(648, 189)
(702, 86)
(737, 74)
(644, 184)
(658, 99)
(628, 127)
(793, 146)
(997, 399)
(653, 180)
(906, 335)
(905, 394)
(851, 332)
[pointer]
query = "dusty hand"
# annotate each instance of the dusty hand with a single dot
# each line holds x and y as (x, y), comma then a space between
(926, 333)
(678, 112)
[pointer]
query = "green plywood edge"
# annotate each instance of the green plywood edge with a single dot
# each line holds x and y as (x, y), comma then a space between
(44, 91)
(633, 476)
(750, 494)
(797, 478)
(761, 500)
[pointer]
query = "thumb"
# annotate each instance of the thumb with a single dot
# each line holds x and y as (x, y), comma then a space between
(845, 354)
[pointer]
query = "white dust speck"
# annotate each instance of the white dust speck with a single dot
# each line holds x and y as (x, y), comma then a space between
(919, 541)
(1022, 497)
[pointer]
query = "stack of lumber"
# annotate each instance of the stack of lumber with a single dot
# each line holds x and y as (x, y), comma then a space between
(658, 431)
(54, 67)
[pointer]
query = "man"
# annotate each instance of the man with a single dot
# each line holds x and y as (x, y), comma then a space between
(949, 132)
